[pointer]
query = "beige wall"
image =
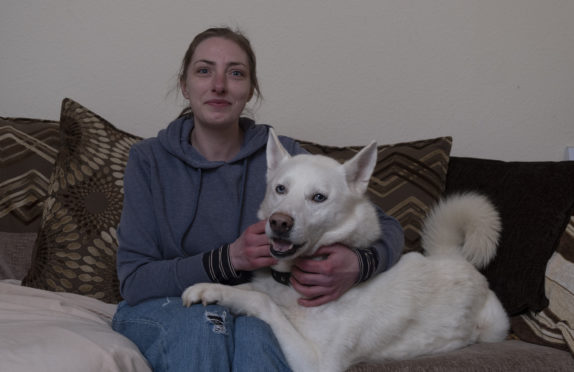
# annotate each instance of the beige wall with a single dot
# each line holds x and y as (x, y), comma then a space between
(497, 75)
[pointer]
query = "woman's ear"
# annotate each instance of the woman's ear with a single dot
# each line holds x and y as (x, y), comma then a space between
(184, 90)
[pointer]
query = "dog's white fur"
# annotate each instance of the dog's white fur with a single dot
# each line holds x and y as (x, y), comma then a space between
(423, 305)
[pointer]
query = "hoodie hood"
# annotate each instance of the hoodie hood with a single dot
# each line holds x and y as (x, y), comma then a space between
(175, 140)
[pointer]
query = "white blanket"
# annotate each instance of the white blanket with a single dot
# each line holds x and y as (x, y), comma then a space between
(48, 331)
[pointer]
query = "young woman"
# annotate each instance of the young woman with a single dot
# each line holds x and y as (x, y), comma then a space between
(191, 197)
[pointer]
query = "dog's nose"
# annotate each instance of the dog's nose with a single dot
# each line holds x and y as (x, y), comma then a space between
(280, 223)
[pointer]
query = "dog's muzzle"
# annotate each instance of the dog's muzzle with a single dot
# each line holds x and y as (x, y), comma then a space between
(283, 248)
(281, 225)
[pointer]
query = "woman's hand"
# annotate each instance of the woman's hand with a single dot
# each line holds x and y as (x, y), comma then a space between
(323, 280)
(251, 250)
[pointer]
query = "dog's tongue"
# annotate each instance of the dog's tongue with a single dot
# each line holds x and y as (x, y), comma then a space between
(281, 245)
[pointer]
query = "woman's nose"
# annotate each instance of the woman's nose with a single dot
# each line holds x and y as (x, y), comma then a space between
(219, 83)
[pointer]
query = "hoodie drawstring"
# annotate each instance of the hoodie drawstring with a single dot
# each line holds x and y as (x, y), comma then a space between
(194, 214)
(242, 195)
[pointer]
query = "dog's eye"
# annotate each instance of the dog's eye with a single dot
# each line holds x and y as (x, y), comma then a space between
(319, 198)
(280, 189)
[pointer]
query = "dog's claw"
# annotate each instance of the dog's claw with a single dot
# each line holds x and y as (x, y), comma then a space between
(203, 293)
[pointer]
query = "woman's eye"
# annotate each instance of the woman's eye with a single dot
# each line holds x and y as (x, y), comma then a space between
(202, 70)
(319, 198)
(280, 189)
(237, 73)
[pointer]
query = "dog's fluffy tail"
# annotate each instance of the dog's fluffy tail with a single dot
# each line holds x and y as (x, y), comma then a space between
(466, 224)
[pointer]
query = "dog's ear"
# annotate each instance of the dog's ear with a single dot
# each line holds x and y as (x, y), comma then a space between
(359, 168)
(276, 153)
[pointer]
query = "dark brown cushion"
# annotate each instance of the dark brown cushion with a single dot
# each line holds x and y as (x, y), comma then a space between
(408, 179)
(76, 246)
(554, 325)
(535, 201)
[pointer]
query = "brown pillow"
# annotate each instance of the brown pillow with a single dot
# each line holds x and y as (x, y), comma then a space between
(554, 325)
(28, 149)
(408, 180)
(76, 246)
(27, 154)
(535, 201)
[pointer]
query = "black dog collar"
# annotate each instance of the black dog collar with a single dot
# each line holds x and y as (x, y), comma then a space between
(281, 276)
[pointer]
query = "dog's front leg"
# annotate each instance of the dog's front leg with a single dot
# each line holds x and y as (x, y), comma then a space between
(209, 293)
(300, 353)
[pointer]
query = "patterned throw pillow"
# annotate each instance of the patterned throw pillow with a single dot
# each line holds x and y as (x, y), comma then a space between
(76, 246)
(28, 149)
(408, 180)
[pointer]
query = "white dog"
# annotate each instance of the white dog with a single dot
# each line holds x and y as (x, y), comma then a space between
(424, 304)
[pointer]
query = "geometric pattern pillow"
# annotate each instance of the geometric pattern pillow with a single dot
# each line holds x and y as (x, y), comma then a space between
(554, 326)
(76, 246)
(28, 149)
(409, 178)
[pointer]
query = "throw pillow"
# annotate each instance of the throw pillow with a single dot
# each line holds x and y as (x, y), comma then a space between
(28, 149)
(535, 201)
(76, 246)
(554, 326)
(27, 154)
(408, 179)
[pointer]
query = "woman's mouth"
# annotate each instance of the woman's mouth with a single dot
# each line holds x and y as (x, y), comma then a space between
(218, 103)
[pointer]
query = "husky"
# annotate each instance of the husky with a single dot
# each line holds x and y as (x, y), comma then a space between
(424, 304)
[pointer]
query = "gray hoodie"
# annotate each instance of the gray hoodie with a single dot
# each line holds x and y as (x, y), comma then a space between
(181, 211)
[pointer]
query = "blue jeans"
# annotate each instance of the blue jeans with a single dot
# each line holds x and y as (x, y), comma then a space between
(177, 338)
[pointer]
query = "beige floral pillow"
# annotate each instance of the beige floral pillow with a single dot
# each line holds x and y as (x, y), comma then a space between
(76, 246)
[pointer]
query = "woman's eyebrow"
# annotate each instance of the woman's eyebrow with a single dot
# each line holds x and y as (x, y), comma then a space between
(206, 61)
(212, 63)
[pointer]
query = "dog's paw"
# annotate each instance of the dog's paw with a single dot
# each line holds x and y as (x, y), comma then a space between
(206, 293)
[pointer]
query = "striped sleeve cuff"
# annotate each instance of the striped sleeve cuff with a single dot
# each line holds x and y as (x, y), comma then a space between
(368, 263)
(217, 264)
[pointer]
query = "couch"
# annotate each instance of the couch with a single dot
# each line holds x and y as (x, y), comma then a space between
(62, 182)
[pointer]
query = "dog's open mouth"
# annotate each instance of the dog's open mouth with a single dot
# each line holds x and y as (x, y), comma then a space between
(283, 248)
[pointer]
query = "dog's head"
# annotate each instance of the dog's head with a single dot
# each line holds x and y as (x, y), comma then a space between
(312, 200)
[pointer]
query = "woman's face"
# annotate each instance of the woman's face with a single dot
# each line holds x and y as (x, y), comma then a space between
(218, 85)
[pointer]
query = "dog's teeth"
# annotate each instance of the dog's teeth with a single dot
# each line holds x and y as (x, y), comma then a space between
(282, 246)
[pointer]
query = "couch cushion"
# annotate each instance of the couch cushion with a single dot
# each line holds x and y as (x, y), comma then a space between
(28, 149)
(511, 355)
(408, 179)
(16, 254)
(76, 246)
(535, 201)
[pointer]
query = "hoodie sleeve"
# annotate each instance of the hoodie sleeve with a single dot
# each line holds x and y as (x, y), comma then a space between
(385, 252)
(143, 271)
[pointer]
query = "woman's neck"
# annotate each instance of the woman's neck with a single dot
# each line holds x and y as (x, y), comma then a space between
(217, 144)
